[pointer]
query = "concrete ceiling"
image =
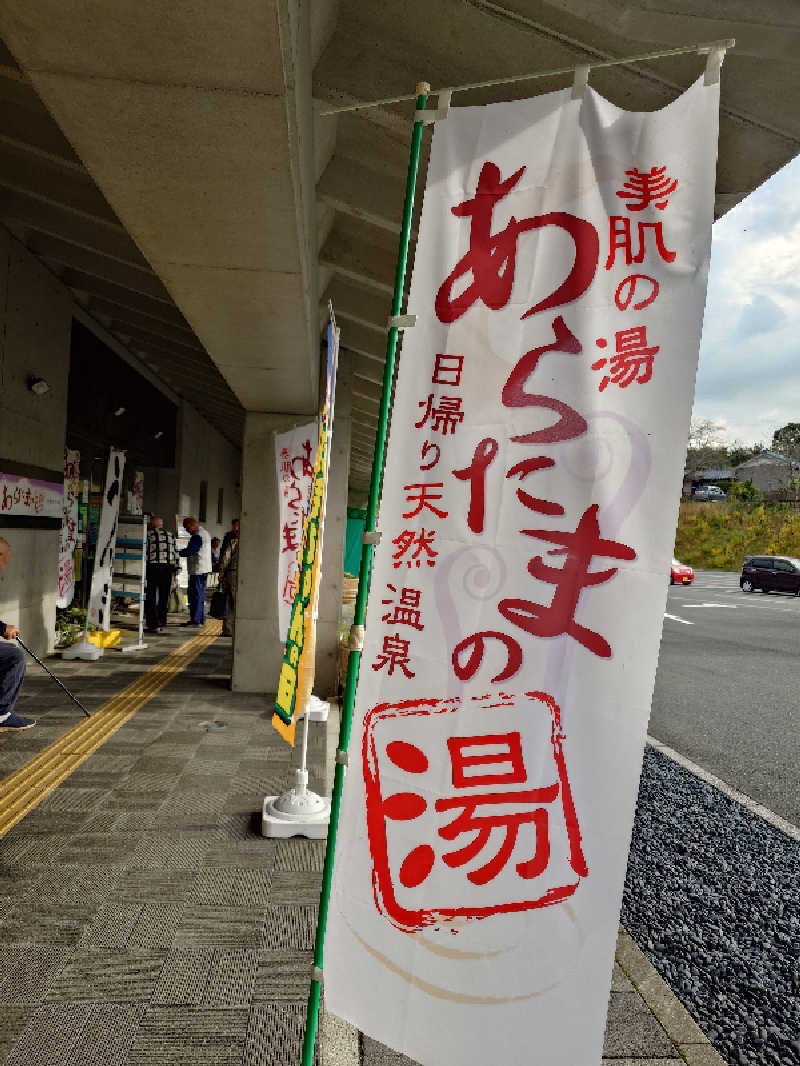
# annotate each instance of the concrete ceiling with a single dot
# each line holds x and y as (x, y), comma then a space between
(197, 123)
(51, 204)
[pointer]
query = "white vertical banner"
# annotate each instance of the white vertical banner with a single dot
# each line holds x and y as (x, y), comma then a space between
(100, 591)
(69, 528)
(530, 496)
(295, 452)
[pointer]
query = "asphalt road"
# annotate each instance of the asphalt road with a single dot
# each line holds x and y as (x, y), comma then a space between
(727, 691)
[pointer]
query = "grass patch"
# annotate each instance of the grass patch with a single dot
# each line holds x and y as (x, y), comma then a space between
(717, 536)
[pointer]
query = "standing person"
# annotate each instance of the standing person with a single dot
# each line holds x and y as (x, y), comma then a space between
(198, 561)
(232, 532)
(228, 574)
(162, 562)
(12, 666)
(215, 553)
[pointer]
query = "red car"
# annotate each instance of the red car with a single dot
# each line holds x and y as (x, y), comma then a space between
(680, 574)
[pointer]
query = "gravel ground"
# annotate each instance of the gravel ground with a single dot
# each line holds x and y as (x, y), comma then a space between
(712, 897)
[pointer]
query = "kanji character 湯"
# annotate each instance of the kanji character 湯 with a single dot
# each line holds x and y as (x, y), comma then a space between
(633, 360)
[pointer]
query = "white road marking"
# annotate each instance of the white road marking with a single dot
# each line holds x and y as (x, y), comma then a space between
(747, 802)
(674, 618)
(727, 606)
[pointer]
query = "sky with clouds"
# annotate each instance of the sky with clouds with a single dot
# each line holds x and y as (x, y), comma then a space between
(749, 374)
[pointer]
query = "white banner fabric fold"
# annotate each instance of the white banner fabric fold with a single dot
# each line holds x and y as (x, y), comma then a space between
(529, 505)
(295, 452)
(100, 590)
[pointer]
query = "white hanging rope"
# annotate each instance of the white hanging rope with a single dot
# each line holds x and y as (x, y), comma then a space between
(711, 48)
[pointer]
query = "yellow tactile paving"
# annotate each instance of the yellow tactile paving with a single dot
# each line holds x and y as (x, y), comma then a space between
(29, 785)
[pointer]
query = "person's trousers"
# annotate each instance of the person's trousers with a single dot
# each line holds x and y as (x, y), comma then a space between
(12, 674)
(197, 598)
(229, 622)
(159, 582)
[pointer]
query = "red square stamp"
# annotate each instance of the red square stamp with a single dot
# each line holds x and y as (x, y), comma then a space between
(469, 808)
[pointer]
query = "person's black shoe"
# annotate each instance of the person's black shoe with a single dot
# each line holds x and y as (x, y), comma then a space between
(16, 723)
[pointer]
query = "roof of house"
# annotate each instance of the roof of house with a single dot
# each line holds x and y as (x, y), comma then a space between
(715, 473)
(770, 455)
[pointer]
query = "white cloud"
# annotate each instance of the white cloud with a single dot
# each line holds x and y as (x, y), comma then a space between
(751, 336)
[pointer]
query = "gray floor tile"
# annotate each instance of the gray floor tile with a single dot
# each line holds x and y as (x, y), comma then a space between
(107, 977)
(184, 978)
(231, 886)
(221, 927)
(295, 889)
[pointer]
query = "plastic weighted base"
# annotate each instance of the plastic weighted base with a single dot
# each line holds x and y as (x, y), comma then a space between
(316, 709)
(82, 650)
(297, 813)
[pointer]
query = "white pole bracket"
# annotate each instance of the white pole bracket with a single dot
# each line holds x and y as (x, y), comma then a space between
(716, 53)
(579, 82)
(316, 974)
(435, 114)
(342, 757)
(401, 321)
(373, 537)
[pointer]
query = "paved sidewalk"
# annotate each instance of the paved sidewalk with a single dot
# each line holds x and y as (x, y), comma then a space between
(144, 918)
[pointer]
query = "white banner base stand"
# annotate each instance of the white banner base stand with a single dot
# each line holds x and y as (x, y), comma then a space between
(316, 709)
(82, 650)
(133, 647)
(299, 812)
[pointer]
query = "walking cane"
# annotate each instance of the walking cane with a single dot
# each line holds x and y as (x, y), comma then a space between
(33, 655)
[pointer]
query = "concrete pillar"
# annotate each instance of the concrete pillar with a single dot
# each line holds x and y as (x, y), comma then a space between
(330, 593)
(257, 644)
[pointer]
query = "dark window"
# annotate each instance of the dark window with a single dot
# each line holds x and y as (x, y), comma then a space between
(762, 564)
(220, 506)
(202, 507)
(783, 564)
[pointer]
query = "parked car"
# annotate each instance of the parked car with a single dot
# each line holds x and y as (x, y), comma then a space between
(771, 573)
(709, 493)
(680, 574)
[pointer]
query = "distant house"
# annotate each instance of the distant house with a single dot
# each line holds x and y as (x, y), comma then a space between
(768, 471)
(693, 482)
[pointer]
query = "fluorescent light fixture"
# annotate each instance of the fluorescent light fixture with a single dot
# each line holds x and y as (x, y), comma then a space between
(119, 411)
(159, 434)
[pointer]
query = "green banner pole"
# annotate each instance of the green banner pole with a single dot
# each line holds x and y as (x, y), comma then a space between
(367, 551)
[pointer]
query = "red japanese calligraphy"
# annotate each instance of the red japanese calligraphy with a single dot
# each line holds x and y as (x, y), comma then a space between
(289, 539)
(570, 424)
(476, 645)
(651, 187)
(394, 653)
(579, 548)
(423, 499)
(499, 819)
(475, 474)
(447, 369)
(407, 611)
(534, 503)
(619, 238)
(627, 289)
(633, 360)
(491, 259)
(428, 447)
(446, 415)
(421, 541)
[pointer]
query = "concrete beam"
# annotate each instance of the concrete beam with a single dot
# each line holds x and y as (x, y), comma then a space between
(358, 304)
(106, 238)
(352, 256)
(91, 264)
(54, 184)
(352, 189)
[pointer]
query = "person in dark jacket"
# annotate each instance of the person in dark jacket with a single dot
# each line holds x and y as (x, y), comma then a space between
(12, 666)
(162, 563)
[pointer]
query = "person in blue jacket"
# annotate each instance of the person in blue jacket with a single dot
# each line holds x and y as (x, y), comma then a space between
(12, 666)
